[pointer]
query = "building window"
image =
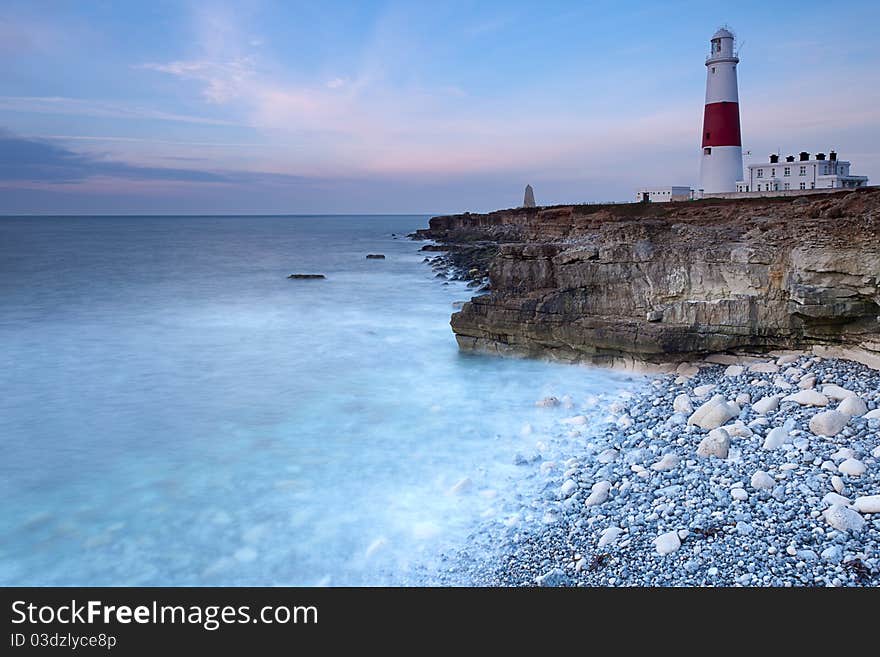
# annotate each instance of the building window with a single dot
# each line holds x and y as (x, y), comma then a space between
(760, 173)
(786, 186)
(826, 169)
(759, 187)
(812, 185)
(707, 150)
(772, 173)
(786, 171)
(803, 172)
(803, 185)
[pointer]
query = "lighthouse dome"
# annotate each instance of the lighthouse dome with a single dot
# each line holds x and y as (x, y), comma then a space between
(723, 33)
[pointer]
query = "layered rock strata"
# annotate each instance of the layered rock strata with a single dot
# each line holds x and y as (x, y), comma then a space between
(670, 282)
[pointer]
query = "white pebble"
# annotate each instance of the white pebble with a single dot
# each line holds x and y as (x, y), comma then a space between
(852, 406)
(462, 486)
(609, 536)
(867, 504)
(667, 543)
(766, 404)
(717, 443)
(761, 480)
(844, 519)
(668, 462)
(852, 467)
(703, 391)
(598, 494)
(568, 488)
(807, 398)
(829, 423)
(682, 404)
(836, 392)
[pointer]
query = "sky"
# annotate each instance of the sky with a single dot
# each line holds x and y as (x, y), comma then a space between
(407, 107)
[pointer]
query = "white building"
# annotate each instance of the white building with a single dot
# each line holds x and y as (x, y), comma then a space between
(664, 194)
(799, 172)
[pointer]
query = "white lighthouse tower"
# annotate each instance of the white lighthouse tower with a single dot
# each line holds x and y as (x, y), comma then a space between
(721, 165)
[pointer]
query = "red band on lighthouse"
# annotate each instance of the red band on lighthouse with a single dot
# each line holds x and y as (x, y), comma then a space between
(721, 125)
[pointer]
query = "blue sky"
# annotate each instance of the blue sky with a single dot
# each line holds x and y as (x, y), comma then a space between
(367, 107)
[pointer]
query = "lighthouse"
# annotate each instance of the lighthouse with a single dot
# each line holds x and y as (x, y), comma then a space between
(721, 165)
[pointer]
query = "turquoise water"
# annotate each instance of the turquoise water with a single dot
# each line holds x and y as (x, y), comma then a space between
(175, 411)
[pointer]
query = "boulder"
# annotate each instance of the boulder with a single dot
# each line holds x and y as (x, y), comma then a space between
(668, 462)
(717, 443)
(766, 404)
(837, 393)
(776, 438)
(844, 519)
(734, 371)
(682, 404)
(829, 423)
(703, 391)
(852, 406)
(713, 413)
(852, 467)
(807, 398)
(867, 504)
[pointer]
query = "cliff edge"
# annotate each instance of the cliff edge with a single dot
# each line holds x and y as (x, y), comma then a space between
(662, 283)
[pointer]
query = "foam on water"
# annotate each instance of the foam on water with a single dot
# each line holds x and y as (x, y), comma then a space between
(174, 411)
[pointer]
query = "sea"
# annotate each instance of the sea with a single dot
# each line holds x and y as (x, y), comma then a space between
(175, 411)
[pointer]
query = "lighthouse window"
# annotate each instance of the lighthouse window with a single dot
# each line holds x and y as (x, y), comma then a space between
(787, 171)
(707, 151)
(713, 69)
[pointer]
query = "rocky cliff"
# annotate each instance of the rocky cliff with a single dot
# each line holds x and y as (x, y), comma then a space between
(669, 282)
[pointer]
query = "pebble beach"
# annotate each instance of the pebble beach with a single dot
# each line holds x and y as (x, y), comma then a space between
(744, 471)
